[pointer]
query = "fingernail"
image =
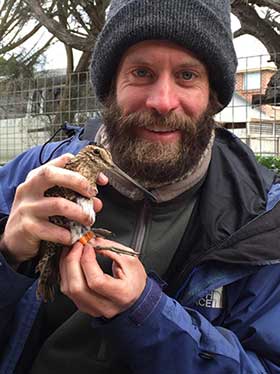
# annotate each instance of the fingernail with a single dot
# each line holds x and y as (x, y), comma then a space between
(102, 177)
(91, 221)
(92, 191)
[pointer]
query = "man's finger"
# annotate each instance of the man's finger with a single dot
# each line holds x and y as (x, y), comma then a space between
(62, 160)
(49, 175)
(58, 206)
(97, 204)
(62, 271)
(96, 279)
(102, 179)
(74, 281)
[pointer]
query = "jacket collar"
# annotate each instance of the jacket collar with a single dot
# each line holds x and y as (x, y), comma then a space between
(229, 223)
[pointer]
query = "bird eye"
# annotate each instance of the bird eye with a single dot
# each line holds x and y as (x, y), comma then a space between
(96, 151)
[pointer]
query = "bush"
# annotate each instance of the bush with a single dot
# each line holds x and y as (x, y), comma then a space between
(270, 162)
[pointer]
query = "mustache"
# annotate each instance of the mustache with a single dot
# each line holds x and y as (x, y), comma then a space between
(150, 120)
(154, 121)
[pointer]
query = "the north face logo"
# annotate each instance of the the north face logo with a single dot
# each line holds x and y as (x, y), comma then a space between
(213, 300)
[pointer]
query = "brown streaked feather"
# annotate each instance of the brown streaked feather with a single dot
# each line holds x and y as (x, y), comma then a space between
(89, 164)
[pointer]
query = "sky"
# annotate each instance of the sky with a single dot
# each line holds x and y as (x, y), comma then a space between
(245, 46)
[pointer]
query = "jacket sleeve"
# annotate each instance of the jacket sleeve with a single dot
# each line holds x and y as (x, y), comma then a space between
(160, 336)
(16, 171)
(13, 287)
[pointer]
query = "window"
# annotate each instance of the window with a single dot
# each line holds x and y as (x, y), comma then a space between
(252, 81)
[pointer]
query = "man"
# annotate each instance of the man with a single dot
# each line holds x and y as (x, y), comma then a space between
(204, 296)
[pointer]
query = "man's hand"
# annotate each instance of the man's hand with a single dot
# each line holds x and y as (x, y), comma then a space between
(28, 222)
(95, 292)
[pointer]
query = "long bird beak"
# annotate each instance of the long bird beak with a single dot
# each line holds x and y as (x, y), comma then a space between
(117, 171)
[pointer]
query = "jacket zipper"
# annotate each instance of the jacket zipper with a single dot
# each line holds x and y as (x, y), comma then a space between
(141, 228)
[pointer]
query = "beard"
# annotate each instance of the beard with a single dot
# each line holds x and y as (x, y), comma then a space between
(154, 164)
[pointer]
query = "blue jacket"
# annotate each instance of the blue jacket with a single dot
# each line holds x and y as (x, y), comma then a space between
(218, 313)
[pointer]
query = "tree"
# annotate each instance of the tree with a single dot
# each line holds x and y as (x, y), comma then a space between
(261, 19)
(13, 68)
(76, 23)
(16, 27)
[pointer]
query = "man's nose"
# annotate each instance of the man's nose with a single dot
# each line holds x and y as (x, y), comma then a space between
(162, 96)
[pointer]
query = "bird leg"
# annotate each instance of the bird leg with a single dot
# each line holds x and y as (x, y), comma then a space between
(97, 232)
(102, 233)
(118, 250)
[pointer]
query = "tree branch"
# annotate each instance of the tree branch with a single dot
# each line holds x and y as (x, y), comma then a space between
(253, 24)
(70, 59)
(77, 15)
(238, 33)
(30, 61)
(269, 3)
(19, 42)
(60, 32)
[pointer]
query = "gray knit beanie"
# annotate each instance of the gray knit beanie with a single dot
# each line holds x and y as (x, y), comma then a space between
(201, 26)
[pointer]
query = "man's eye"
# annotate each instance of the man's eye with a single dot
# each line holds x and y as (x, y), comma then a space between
(187, 75)
(141, 73)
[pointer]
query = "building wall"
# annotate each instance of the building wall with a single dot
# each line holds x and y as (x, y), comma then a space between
(266, 74)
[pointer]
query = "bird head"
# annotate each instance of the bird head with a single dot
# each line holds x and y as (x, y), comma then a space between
(97, 156)
(94, 158)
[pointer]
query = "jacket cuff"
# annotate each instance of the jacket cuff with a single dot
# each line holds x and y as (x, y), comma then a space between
(147, 302)
(143, 307)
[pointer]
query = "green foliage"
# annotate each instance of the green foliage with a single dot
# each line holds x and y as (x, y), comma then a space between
(20, 66)
(270, 162)
(12, 68)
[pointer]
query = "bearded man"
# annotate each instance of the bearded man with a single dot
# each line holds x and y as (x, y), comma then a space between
(204, 294)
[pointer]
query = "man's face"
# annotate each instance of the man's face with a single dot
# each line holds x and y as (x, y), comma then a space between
(158, 120)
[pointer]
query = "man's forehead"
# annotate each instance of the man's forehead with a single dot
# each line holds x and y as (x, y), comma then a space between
(149, 52)
(151, 48)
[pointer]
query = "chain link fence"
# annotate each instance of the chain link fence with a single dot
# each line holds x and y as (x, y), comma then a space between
(254, 111)
(31, 110)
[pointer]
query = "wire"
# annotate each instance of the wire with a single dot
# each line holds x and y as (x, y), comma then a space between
(70, 130)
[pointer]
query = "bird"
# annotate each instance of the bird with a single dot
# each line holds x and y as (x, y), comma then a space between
(89, 162)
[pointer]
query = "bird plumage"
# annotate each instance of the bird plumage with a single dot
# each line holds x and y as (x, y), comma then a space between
(89, 162)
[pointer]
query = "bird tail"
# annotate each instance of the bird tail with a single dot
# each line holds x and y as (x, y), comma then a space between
(49, 276)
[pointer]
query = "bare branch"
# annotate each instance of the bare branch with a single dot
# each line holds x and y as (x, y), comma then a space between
(7, 6)
(77, 15)
(19, 42)
(75, 23)
(58, 30)
(70, 59)
(253, 24)
(272, 4)
(238, 33)
(34, 57)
